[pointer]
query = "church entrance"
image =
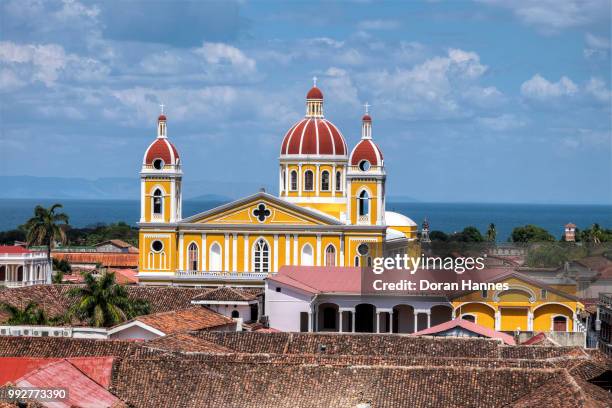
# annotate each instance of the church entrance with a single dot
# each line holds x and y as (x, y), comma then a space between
(365, 318)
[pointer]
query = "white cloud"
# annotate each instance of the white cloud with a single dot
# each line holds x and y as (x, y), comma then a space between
(540, 88)
(551, 16)
(339, 85)
(220, 53)
(501, 123)
(73, 9)
(46, 62)
(596, 46)
(9, 81)
(437, 87)
(378, 24)
(598, 89)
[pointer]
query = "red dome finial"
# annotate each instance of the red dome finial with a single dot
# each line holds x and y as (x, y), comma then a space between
(366, 117)
(314, 93)
(161, 113)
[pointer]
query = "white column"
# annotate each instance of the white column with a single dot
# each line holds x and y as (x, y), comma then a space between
(295, 250)
(340, 320)
(416, 321)
(300, 180)
(172, 200)
(235, 252)
(428, 319)
(287, 249)
(181, 252)
(332, 179)
(226, 254)
(341, 250)
(353, 318)
(280, 180)
(391, 321)
(377, 321)
(247, 267)
(318, 250)
(574, 323)
(347, 192)
(497, 320)
(317, 179)
(275, 269)
(204, 247)
(310, 321)
(529, 320)
(287, 180)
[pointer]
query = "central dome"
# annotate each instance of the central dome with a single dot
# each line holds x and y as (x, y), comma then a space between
(314, 135)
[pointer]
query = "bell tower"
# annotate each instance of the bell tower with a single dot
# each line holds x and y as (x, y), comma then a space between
(160, 179)
(366, 178)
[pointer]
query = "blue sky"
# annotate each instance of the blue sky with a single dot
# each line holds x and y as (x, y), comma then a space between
(485, 101)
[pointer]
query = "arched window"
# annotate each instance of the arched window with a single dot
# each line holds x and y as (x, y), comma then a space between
(235, 314)
(158, 202)
(325, 180)
(284, 180)
(261, 256)
(2, 273)
(20, 274)
(294, 180)
(469, 318)
(330, 255)
(338, 181)
(364, 203)
(215, 257)
(308, 180)
(357, 260)
(307, 258)
(560, 323)
(39, 275)
(193, 257)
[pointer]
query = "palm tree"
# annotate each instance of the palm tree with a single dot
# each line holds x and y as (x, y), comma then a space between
(31, 314)
(491, 233)
(103, 303)
(45, 229)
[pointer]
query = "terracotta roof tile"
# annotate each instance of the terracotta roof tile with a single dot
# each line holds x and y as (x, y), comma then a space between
(193, 318)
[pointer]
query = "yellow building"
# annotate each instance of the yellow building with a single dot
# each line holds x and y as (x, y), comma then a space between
(527, 305)
(330, 210)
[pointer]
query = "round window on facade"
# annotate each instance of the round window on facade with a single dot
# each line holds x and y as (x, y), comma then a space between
(157, 246)
(363, 249)
(364, 165)
(158, 164)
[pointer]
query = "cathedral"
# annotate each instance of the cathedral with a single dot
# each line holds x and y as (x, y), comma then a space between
(330, 210)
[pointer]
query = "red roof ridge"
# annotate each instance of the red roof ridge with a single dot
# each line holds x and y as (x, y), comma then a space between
(473, 327)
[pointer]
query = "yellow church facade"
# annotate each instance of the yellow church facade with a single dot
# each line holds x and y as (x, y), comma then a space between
(330, 210)
(527, 305)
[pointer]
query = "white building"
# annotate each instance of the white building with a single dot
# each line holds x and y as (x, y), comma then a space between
(330, 299)
(22, 267)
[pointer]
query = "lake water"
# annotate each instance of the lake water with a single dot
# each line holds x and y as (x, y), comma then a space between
(448, 217)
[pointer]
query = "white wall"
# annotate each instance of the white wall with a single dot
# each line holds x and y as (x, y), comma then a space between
(134, 332)
(226, 310)
(283, 308)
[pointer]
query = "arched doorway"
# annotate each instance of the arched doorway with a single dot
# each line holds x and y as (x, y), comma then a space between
(20, 274)
(441, 314)
(559, 323)
(365, 318)
(403, 319)
(2, 273)
(327, 317)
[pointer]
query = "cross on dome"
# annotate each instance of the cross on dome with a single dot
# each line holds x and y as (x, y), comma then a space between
(367, 106)
(314, 81)
(161, 106)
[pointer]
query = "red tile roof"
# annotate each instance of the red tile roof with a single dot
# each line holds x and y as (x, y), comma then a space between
(228, 294)
(193, 318)
(318, 279)
(13, 249)
(125, 276)
(469, 326)
(107, 259)
(98, 369)
(82, 390)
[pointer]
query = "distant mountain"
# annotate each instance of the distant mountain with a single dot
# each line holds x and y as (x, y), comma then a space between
(118, 188)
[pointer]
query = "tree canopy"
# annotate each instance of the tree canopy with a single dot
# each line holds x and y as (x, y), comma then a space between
(531, 233)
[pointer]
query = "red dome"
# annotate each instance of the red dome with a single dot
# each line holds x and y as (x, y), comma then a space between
(161, 117)
(314, 136)
(161, 148)
(314, 93)
(366, 149)
(366, 118)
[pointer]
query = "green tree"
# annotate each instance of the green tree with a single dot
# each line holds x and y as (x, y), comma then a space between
(103, 303)
(46, 227)
(62, 265)
(469, 234)
(531, 233)
(30, 314)
(57, 277)
(438, 236)
(491, 233)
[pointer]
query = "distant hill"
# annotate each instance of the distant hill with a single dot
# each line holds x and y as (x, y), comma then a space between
(118, 188)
